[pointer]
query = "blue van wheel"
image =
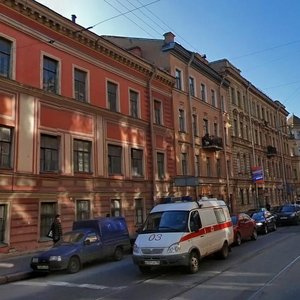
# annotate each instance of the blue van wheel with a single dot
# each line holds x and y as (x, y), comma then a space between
(118, 255)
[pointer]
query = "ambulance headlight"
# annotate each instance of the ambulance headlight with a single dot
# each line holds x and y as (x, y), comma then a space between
(136, 249)
(174, 248)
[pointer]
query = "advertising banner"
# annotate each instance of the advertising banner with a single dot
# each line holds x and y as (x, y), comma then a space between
(257, 174)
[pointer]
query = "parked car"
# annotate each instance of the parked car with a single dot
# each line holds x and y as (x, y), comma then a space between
(265, 221)
(89, 240)
(244, 228)
(288, 214)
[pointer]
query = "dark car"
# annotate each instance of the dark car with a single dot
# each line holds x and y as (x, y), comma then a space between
(89, 240)
(265, 221)
(288, 214)
(244, 228)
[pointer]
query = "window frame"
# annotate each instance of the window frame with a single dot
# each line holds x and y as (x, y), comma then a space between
(56, 73)
(49, 217)
(80, 83)
(158, 113)
(86, 161)
(83, 214)
(114, 210)
(134, 104)
(52, 150)
(8, 57)
(137, 162)
(115, 162)
(112, 96)
(7, 145)
(178, 79)
(161, 168)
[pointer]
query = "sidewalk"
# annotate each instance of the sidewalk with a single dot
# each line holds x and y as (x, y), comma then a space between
(15, 267)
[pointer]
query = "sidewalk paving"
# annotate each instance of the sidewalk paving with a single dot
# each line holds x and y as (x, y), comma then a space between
(15, 267)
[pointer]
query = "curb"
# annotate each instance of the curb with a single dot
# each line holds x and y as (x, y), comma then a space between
(14, 277)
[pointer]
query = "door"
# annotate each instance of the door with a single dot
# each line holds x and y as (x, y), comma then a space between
(92, 247)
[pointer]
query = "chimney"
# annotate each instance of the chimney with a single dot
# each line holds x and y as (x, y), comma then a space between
(169, 37)
(73, 18)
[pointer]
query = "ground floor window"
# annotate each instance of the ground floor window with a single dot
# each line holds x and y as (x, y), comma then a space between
(115, 208)
(47, 214)
(3, 218)
(139, 211)
(83, 209)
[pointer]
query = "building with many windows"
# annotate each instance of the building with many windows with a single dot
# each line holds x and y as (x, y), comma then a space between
(201, 118)
(86, 128)
(262, 169)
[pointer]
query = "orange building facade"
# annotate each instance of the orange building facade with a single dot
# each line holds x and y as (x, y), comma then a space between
(80, 130)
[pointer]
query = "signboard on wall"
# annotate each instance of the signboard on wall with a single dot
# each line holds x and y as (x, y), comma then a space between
(257, 174)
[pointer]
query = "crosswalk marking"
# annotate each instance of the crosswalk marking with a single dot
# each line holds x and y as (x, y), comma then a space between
(68, 284)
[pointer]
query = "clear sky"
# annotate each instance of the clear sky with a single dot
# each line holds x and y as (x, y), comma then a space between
(260, 37)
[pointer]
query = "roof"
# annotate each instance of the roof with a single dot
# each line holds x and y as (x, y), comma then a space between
(189, 205)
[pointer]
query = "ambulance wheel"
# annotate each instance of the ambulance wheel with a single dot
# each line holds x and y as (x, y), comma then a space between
(223, 253)
(194, 262)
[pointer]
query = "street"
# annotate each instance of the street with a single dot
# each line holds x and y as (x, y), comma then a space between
(268, 268)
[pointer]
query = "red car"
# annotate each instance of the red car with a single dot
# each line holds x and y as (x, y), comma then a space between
(244, 228)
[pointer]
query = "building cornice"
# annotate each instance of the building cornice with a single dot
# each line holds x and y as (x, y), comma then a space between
(72, 31)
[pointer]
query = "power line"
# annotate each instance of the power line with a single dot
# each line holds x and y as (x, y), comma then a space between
(124, 13)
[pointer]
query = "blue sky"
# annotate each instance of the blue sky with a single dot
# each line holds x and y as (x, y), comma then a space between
(260, 37)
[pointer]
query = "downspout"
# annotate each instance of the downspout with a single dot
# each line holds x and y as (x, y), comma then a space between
(222, 112)
(191, 118)
(279, 128)
(154, 165)
(252, 142)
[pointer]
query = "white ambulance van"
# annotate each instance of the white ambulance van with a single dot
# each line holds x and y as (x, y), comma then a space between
(181, 233)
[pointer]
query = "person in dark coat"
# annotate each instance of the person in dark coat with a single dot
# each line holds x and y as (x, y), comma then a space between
(56, 229)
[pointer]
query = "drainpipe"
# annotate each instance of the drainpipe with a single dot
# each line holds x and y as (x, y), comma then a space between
(252, 142)
(154, 165)
(279, 128)
(222, 112)
(191, 118)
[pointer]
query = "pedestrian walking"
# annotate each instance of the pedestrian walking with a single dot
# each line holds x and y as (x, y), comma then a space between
(56, 229)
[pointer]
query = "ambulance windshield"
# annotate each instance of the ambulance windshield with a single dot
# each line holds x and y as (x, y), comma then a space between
(167, 221)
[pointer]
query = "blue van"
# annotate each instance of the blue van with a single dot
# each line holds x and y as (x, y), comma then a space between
(89, 240)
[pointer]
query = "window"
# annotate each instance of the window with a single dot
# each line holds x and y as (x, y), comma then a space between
(5, 147)
(203, 91)
(216, 129)
(112, 96)
(80, 85)
(139, 211)
(219, 212)
(213, 98)
(82, 156)
(208, 169)
(184, 164)
(181, 120)
(235, 127)
(239, 99)
(194, 124)
(197, 165)
(83, 209)
(134, 104)
(49, 153)
(115, 208)
(205, 126)
(178, 79)
(161, 165)
(242, 130)
(218, 167)
(192, 86)
(157, 112)
(137, 162)
(114, 160)
(233, 99)
(50, 75)
(3, 219)
(5, 58)
(48, 211)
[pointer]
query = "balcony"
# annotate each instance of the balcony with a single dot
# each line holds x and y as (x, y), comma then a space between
(271, 151)
(211, 142)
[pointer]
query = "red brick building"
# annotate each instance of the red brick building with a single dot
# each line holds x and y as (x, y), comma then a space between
(80, 131)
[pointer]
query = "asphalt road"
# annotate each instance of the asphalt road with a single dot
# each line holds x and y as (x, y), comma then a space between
(268, 268)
